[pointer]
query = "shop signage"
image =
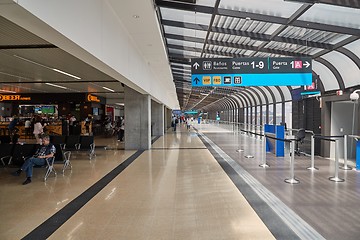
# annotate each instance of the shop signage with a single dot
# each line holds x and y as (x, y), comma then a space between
(92, 98)
(14, 98)
(271, 71)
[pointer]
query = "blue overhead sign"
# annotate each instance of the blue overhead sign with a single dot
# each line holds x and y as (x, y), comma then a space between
(223, 72)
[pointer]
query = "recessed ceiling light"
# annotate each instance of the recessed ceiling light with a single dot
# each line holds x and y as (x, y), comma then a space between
(54, 85)
(7, 91)
(109, 89)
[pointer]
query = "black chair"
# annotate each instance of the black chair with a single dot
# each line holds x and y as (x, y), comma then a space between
(299, 139)
(72, 142)
(58, 139)
(6, 151)
(87, 142)
(21, 152)
(5, 139)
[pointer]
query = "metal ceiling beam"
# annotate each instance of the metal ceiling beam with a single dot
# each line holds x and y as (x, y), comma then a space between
(260, 17)
(342, 3)
(237, 46)
(213, 15)
(281, 28)
(251, 35)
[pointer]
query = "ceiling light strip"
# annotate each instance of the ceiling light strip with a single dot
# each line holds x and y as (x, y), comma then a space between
(41, 65)
(54, 85)
(109, 89)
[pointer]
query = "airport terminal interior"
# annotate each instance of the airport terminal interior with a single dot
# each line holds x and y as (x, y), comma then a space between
(180, 119)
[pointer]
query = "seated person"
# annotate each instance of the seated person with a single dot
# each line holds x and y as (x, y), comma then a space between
(46, 150)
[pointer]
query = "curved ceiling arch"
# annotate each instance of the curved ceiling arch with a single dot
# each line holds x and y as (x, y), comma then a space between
(286, 93)
(281, 93)
(245, 97)
(350, 55)
(239, 100)
(260, 95)
(259, 99)
(232, 103)
(263, 94)
(348, 70)
(336, 73)
(251, 99)
(327, 77)
(256, 100)
(271, 94)
(276, 93)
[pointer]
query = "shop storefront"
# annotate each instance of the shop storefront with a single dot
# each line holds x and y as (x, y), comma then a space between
(55, 110)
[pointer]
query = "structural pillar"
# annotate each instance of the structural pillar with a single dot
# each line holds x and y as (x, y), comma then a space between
(168, 117)
(157, 119)
(137, 120)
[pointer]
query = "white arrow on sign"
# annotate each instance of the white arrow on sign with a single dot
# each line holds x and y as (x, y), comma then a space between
(196, 65)
(306, 64)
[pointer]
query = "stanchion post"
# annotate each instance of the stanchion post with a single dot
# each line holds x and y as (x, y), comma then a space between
(264, 164)
(312, 167)
(336, 177)
(345, 167)
(292, 179)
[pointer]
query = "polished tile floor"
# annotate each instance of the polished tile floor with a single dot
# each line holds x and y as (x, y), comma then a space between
(176, 190)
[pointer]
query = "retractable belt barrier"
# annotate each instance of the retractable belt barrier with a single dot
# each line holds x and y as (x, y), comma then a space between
(292, 179)
(331, 139)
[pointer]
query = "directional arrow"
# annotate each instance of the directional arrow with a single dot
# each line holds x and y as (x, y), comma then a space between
(196, 65)
(196, 80)
(306, 64)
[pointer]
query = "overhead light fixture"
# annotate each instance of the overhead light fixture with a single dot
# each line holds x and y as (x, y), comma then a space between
(120, 104)
(41, 65)
(65, 73)
(54, 85)
(7, 91)
(109, 89)
(136, 16)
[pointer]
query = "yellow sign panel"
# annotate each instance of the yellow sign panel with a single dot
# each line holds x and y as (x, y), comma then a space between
(92, 98)
(216, 80)
(14, 98)
(206, 80)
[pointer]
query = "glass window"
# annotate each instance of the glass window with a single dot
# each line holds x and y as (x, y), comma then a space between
(271, 114)
(333, 15)
(264, 114)
(288, 114)
(278, 113)
(253, 119)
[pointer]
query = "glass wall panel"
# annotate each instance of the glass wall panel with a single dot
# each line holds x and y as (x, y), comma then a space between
(278, 113)
(288, 114)
(264, 113)
(271, 114)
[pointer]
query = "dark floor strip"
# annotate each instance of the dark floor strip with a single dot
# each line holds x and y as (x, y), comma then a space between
(272, 221)
(154, 139)
(172, 148)
(48, 227)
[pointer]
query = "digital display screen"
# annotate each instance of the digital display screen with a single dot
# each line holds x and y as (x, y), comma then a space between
(48, 109)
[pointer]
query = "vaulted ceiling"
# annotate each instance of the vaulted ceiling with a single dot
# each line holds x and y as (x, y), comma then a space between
(328, 31)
